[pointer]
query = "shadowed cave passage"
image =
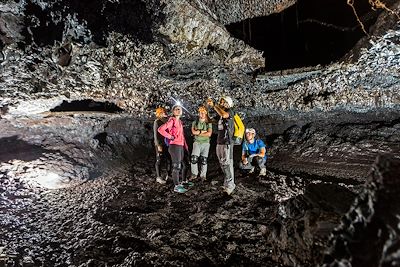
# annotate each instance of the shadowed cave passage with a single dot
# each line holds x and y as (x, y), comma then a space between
(87, 105)
(306, 34)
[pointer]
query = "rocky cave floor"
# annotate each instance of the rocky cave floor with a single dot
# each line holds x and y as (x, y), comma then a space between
(121, 217)
(126, 218)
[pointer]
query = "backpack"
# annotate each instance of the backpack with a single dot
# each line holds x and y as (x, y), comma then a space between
(167, 141)
(238, 131)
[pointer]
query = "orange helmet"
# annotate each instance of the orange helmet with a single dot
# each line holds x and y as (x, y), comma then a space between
(203, 109)
(159, 111)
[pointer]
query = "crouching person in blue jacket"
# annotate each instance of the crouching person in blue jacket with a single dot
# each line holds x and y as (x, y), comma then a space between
(253, 153)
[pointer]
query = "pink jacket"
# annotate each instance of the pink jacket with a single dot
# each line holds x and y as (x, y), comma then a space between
(174, 127)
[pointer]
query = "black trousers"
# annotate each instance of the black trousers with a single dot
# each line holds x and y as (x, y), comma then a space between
(163, 161)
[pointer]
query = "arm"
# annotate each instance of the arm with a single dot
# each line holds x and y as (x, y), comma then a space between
(155, 134)
(218, 109)
(206, 133)
(244, 153)
(262, 148)
(163, 129)
(244, 158)
(195, 131)
(262, 152)
(221, 112)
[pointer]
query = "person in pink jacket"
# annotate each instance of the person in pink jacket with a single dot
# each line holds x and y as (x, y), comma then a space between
(172, 130)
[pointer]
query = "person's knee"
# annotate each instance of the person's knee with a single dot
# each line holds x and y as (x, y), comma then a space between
(258, 160)
(194, 159)
(176, 166)
(241, 165)
(203, 160)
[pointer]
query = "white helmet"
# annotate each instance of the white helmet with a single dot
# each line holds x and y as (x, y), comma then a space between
(228, 100)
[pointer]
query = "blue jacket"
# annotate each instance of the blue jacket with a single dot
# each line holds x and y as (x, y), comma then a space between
(254, 148)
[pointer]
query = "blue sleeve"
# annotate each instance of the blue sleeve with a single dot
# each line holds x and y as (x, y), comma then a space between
(244, 147)
(260, 143)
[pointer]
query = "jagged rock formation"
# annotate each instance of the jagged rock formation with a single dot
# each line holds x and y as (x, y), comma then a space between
(127, 69)
(369, 233)
(228, 12)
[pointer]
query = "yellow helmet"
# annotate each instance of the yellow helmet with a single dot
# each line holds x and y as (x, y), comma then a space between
(203, 109)
(159, 111)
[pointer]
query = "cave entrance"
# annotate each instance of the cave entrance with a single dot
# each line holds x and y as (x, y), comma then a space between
(308, 33)
(87, 105)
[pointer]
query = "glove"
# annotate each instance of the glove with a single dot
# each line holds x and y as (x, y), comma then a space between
(250, 158)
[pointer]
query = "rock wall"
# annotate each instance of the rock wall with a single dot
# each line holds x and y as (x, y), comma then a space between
(369, 233)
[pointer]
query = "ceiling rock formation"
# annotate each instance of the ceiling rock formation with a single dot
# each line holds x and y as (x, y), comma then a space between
(232, 11)
(126, 68)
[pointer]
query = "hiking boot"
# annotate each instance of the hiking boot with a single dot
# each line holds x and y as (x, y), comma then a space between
(251, 170)
(263, 172)
(229, 190)
(160, 180)
(188, 184)
(179, 189)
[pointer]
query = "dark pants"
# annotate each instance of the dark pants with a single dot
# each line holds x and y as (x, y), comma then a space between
(163, 161)
(178, 164)
(253, 162)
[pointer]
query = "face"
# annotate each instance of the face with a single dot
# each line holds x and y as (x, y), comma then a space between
(249, 136)
(202, 115)
(223, 103)
(177, 111)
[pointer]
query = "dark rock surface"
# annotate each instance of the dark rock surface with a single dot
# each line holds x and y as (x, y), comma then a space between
(369, 232)
(116, 214)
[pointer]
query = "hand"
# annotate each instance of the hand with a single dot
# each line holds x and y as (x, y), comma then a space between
(245, 162)
(159, 148)
(172, 138)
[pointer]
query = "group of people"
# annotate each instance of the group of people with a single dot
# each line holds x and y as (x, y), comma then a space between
(169, 136)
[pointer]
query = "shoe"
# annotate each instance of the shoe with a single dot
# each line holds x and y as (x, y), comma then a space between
(203, 178)
(251, 170)
(179, 189)
(263, 172)
(160, 180)
(192, 178)
(229, 190)
(188, 184)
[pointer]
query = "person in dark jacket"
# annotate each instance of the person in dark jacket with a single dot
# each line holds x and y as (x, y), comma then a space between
(162, 155)
(224, 148)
